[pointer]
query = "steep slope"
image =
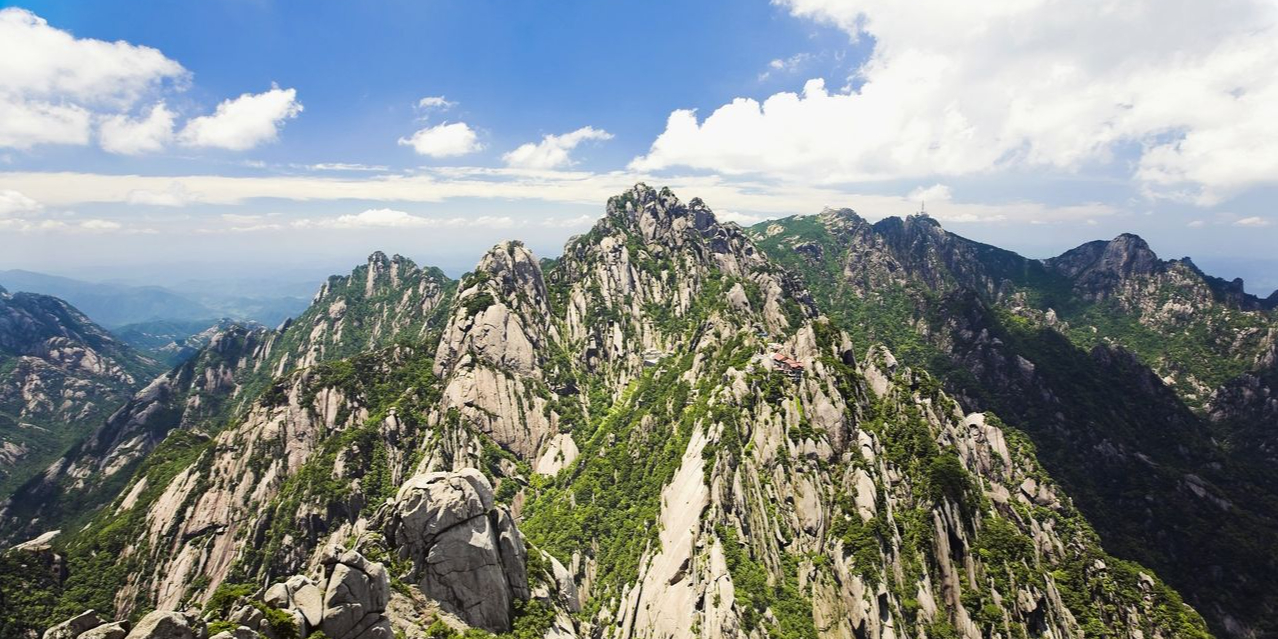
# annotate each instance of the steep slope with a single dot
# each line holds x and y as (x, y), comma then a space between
(59, 375)
(1063, 349)
(172, 341)
(657, 436)
(378, 304)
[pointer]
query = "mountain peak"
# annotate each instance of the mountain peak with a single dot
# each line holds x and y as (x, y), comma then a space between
(658, 215)
(514, 269)
(1124, 256)
(839, 217)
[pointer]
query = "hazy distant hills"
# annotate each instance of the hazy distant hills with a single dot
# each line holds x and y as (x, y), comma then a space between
(114, 305)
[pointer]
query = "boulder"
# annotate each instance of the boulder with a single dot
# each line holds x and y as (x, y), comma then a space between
(115, 630)
(466, 552)
(75, 626)
(355, 598)
(300, 596)
(163, 624)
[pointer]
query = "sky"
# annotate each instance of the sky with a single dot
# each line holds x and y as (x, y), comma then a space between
(154, 141)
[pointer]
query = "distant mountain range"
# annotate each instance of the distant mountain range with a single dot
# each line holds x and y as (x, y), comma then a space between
(113, 305)
(813, 427)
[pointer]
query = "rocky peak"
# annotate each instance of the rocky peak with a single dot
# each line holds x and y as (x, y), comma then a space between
(1123, 257)
(837, 219)
(511, 271)
(658, 215)
(501, 315)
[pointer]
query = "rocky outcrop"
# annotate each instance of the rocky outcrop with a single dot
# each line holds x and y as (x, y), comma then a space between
(60, 374)
(155, 625)
(300, 594)
(163, 624)
(355, 598)
(466, 552)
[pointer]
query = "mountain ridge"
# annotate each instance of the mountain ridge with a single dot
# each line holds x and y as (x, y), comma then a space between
(657, 433)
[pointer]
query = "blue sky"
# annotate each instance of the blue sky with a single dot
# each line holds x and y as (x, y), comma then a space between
(350, 127)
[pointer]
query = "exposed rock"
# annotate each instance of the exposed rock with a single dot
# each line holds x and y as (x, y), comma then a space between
(466, 552)
(355, 598)
(75, 626)
(163, 624)
(114, 630)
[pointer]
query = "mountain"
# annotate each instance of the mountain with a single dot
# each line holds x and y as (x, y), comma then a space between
(59, 373)
(380, 303)
(656, 434)
(172, 341)
(1142, 382)
(110, 305)
(119, 305)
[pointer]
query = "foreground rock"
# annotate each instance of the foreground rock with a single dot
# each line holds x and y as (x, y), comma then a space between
(465, 551)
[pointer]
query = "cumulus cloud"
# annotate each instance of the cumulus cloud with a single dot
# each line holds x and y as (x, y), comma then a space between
(52, 83)
(968, 88)
(56, 88)
(934, 193)
(12, 202)
(127, 136)
(744, 219)
(444, 140)
(244, 122)
(553, 150)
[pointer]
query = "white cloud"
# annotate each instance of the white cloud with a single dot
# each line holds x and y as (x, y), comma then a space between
(344, 166)
(175, 194)
(553, 150)
(392, 218)
(934, 193)
(52, 83)
(100, 225)
(123, 135)
(92, 225)
(431, 185)
(1196, 224)
(967, 88)
(444, 140)
(1252, 221)
(15, 202)
(435, 102)
(744, 219)
(786, 65)
(581, 221)
(244, 122)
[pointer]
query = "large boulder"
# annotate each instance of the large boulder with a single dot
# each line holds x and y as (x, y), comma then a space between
(355, 598)
(300, 596)
(466, 552)
(165, 624)
(114, 630)
(75, 626)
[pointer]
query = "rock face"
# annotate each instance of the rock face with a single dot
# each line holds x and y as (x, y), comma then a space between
(1103, 356)
(166, 625)
(59, 375)
(355, 598)
(302, 595)
(74, 627)
(465, 552)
